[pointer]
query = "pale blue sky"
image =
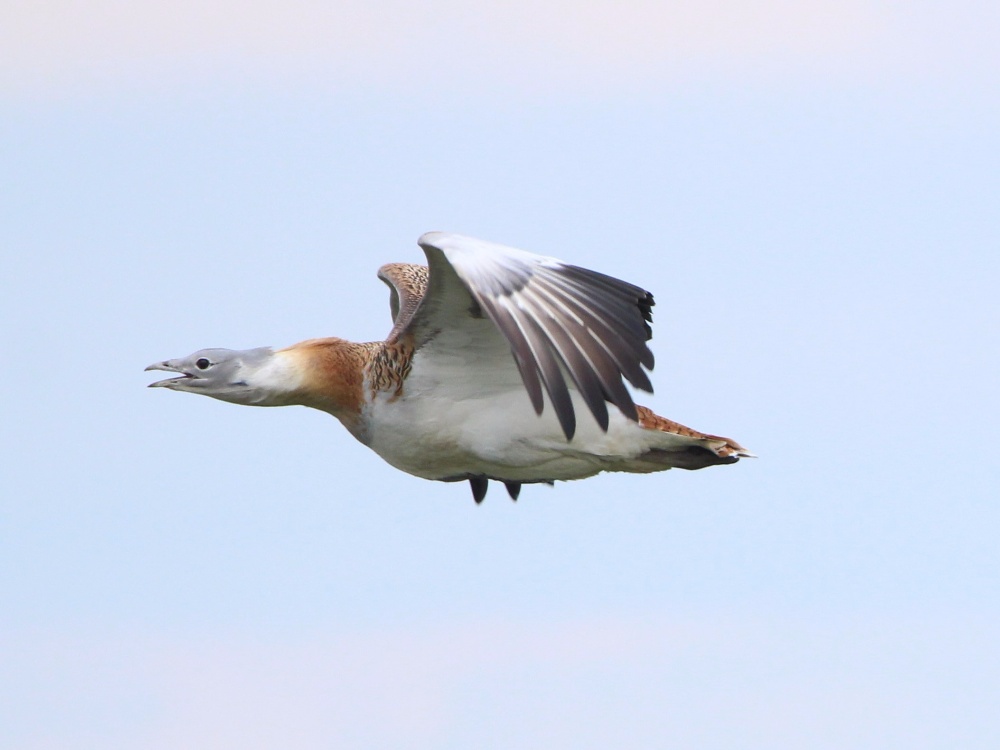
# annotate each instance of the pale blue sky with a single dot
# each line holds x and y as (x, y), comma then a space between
(812, 195)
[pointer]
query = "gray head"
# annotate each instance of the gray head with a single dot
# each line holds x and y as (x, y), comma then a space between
(240, 377)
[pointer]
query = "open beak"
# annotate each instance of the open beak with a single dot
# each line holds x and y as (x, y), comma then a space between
(169, 366)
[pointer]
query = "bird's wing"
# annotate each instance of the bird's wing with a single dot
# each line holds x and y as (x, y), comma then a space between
(407, 283)
(485, 302)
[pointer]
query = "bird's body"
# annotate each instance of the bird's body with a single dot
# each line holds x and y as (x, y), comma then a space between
(498, 436)
(458, 389)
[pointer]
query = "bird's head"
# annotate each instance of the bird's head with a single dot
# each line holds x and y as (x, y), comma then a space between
(255, 377)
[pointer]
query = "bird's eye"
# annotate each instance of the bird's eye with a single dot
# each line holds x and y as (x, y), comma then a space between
(202, 364)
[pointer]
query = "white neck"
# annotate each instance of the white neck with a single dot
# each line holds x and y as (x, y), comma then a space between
(272, 381)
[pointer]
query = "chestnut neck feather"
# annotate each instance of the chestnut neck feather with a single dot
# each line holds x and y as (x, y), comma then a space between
(333, 372)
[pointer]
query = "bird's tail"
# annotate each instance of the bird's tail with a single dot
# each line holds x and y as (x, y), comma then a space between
(682, 447)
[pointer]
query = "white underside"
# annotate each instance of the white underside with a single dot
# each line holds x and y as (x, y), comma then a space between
(500, 436)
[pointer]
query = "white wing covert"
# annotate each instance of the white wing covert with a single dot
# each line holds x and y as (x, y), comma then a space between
(558, 319)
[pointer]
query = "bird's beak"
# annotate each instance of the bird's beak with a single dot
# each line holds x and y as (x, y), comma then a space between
(170, 365)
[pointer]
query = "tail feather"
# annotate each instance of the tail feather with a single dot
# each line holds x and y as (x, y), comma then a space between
(696, 452)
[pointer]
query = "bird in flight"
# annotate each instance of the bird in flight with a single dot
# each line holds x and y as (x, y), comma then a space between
(501, 364)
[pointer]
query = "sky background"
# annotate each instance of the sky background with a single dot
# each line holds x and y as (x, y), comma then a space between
(812, 192)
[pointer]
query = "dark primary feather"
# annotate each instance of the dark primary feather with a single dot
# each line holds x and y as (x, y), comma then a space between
(564, 324)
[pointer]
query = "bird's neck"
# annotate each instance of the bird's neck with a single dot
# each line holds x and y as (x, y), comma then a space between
(330, 376)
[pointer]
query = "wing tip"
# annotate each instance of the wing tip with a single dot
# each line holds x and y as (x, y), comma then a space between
(431, 238)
